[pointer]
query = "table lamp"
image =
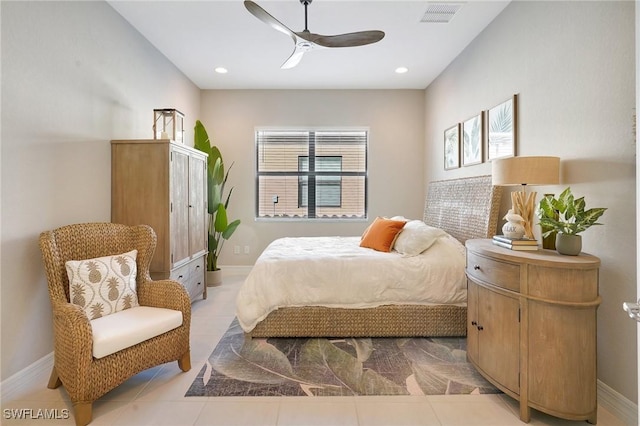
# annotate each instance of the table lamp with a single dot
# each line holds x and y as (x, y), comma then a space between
(525, 171)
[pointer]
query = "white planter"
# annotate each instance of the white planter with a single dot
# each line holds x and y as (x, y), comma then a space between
(214, 278)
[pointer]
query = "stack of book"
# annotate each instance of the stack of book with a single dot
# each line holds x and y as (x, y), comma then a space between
(515, 243)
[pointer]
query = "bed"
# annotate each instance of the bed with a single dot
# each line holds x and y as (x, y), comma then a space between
(464, 208)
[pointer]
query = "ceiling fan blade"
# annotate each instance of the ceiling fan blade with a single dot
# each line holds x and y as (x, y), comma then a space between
(294, 59)
(265, 17)
(302, 46)
(306, 40)
(360, 38)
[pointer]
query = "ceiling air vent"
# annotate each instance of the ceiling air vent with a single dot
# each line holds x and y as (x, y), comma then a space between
(441, 13)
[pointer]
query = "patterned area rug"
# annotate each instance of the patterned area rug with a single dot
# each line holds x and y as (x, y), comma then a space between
(337, 367)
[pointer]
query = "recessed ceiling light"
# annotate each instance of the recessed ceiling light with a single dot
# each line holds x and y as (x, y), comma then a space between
(401, 70)
(221, 70)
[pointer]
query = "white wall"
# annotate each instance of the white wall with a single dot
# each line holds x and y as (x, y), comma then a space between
(74, 76)
(396, 146)
(572, 64)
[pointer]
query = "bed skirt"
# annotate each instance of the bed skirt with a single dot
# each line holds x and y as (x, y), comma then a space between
(383, 321)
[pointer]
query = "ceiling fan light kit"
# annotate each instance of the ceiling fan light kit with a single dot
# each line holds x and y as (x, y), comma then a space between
(305, 41)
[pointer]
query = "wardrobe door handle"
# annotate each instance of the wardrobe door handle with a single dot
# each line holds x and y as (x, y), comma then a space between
(476, 267)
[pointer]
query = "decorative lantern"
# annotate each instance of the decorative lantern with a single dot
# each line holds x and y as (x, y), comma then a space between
(168, 124)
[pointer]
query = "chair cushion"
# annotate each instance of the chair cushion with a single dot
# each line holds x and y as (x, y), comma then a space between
(103, 285)
(118, 331)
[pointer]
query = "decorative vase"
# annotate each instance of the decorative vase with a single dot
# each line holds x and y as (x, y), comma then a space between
(214, 278)
(548, 242)
(514, 227)
(570, 245)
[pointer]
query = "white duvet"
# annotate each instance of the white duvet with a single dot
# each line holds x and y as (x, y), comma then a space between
(337, 272)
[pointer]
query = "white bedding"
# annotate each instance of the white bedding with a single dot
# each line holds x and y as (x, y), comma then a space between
(337, 272)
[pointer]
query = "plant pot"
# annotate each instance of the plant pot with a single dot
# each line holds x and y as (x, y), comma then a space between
(570, 245)
(214, 278)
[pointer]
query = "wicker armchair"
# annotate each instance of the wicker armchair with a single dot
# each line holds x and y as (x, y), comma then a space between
(85, 377)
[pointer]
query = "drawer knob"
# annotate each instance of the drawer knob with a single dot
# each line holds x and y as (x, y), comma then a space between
(474, 323)
(480, 328)
(180, 277)
(476, 267)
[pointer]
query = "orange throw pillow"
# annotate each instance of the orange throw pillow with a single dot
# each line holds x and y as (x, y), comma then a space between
(381, 234)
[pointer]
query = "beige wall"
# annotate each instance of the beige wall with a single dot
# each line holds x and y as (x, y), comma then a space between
(74, 76)
(572, 64)
(395, 119)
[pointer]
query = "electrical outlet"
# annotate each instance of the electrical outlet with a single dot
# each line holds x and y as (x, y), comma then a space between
(236, 249)
(246, 249)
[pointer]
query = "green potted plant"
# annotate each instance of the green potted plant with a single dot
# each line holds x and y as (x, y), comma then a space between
(220, 228)
(566, 216)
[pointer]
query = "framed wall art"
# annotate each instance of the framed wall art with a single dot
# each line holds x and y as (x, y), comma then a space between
(502, 126)
(452, 147)
(472, 141)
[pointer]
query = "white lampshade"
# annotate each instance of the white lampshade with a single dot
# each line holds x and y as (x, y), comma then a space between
(525, 171)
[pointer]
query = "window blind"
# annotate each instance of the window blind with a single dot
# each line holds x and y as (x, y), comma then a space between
(312, 174)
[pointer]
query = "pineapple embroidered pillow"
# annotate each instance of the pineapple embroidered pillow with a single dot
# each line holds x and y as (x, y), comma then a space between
(103, 285)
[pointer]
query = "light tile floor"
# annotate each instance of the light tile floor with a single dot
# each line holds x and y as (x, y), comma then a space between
(156, 396)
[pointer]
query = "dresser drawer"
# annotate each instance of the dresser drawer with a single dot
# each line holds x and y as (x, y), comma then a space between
(196, 284)
(196, 267)
(501, 274)
(181, 274)
(191, 276)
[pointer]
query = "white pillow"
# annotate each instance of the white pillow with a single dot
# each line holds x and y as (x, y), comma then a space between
(103, 285)
(416, 237)
(402, 218)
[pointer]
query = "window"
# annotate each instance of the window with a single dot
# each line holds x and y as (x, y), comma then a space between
(311, 174)
(328, 188)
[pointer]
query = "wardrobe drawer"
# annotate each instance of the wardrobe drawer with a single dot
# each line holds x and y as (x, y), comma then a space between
(181, 274)
(196, 267)
(195, 285)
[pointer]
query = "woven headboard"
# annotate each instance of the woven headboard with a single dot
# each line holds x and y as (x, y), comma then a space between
(466, 208)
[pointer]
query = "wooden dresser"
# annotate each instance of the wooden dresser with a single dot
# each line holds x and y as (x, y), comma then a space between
(162, 184)
(531, 327)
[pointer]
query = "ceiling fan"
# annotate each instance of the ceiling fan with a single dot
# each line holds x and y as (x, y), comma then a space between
(305, 40)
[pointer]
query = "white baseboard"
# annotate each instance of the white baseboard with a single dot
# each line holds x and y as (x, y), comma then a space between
(617, 404)
(11, 387)
(233, 270)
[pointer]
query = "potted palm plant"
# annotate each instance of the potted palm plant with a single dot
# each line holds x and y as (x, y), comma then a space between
(220, 228)
(567, 217)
